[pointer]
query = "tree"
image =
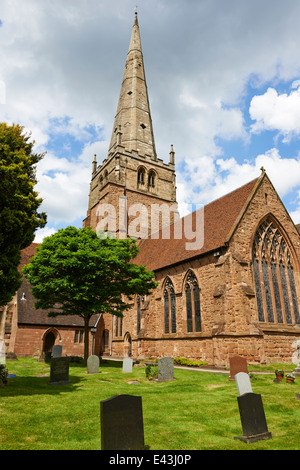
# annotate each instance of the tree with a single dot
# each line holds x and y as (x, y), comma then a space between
(19, 217)
(76, 273)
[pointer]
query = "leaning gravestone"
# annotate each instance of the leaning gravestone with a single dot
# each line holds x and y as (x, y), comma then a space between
(122, 425)
(237, 364)
(57, 350)
(127, 365)
(252, 418)
(93, 364)
(59, 371)
(165, 369)
(243, 383)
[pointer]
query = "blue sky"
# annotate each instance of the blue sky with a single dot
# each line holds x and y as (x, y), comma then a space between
(223, 81)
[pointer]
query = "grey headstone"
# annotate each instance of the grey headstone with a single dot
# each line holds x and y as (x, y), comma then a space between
(59, 371)
(127, 365)
(93, 364)
(57, 350)
(252, 418)
(165, 369)
(243, 383)
(122, 425)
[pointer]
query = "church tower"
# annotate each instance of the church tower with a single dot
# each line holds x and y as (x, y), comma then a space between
(133, 192)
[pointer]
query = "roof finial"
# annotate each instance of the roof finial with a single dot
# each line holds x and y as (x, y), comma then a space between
(135, 14)
(262, 169)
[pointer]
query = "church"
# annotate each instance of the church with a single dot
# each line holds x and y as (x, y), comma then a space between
(228, 274)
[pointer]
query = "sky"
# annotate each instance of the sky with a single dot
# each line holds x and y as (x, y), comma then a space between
(223, 79)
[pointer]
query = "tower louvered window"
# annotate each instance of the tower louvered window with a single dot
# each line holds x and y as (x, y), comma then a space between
(274, 278)
(169, 308)
(193, 312)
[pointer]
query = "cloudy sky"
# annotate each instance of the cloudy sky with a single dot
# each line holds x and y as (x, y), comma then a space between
(224, 85)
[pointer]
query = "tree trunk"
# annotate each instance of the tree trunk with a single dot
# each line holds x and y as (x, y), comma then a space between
(86, 338)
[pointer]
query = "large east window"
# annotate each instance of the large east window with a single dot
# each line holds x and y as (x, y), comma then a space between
(274, 278)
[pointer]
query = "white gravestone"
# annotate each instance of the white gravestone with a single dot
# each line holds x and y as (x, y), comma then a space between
(2, 352)
(127, 365)
(93, 364)
(243, 383)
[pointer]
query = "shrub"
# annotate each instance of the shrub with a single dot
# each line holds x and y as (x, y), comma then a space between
(183, 361)
(3, 373)
(151, 372)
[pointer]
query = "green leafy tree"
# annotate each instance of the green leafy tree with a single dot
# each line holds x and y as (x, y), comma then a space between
(19, 203)
(74, 272)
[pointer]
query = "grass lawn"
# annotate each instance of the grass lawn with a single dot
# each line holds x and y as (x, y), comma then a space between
(198, 410)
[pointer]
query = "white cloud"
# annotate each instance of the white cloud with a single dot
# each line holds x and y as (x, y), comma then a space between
(279, 112)
(42, 233)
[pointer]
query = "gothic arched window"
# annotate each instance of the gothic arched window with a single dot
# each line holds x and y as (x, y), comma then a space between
(151, 179)
(141, 176)
(169, 307)
(274, 276)
(193, 311)
(138, 313)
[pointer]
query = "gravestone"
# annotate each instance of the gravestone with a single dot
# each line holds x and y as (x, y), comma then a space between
(237, 364)
(127, 365)
(57, 350)
(122, 425)
(93, 364)
(165, 369)
(243, 383)
(252, 418)
(2, 352)
(59, 371)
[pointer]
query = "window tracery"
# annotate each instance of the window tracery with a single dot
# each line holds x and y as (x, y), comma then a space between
(274, 276)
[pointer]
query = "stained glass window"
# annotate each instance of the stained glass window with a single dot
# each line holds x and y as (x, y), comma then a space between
(273, 273)
(170, 307)
(192, 295)
(138, 314)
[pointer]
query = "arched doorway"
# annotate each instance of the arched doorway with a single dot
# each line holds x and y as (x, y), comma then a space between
(127, 345)
(49, 341)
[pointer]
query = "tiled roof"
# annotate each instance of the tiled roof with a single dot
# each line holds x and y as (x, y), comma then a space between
(220, 217)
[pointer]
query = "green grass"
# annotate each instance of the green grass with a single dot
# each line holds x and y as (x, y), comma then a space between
(198, 410)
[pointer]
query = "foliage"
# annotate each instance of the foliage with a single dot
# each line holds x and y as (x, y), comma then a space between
(76, 273)
(183, 361)
(19, 203)
(151, 372)
(3, 373)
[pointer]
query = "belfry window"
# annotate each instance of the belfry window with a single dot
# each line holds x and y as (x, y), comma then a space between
(169, 307)
(141, 176)
(192, 295)
(151, 179)
(274, 278)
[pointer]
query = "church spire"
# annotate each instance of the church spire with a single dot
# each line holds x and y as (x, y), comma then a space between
(133, 119)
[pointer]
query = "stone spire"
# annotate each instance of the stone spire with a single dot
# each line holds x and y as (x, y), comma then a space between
(133, 125)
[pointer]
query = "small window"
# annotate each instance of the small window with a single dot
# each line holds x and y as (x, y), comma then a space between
(151, 179)
(79, 335)
(129, 93)
(143, 126)
(141, 176)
